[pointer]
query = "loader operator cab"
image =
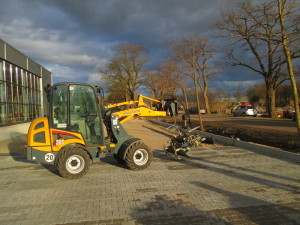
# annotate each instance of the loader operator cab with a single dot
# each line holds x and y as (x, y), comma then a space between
(75, 108)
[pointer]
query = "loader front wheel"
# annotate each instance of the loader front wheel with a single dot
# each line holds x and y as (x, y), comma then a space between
(73, 162)
(138, 156)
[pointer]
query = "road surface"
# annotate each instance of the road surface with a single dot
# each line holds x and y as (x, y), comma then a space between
(260, 122)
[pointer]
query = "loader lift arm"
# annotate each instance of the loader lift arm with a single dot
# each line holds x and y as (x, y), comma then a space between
(140, 109)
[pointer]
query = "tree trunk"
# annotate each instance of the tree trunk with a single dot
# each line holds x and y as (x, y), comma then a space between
(132, 94)
(270, 95)
(186, 103)
(296, 97)
(204, 90)
(198, 103)
(289, 62)
(206, 102)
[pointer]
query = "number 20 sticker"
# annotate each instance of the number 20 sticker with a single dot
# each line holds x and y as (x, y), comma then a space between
(49, 157)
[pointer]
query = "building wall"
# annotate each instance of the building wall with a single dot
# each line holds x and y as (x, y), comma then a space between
(22, 97)
(13, 131)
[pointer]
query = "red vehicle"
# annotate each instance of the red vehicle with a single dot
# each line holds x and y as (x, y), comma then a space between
(245, 103)
(278, 114)
(288, 114)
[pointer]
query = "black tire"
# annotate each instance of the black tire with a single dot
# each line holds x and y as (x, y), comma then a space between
(138, 156)
(73, 162)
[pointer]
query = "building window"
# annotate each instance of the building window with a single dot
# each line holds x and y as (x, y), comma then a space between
(20, 95)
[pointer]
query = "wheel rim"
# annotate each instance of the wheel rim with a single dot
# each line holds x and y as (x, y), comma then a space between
(140, 157)
(75, 164)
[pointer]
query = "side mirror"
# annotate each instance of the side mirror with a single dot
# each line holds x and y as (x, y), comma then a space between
(47, 89)
(99, 91)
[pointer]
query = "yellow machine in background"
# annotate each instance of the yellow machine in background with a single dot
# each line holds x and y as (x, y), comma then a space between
(140, 108)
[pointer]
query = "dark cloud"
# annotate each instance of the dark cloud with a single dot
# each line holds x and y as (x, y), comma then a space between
(74, 37)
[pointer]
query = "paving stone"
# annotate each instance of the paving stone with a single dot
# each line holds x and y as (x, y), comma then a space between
(215, 185)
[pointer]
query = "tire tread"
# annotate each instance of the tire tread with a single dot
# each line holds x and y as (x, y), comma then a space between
(65, 153)
(130, 152)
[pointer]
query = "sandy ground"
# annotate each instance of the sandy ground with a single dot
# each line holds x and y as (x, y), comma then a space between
(141, 128)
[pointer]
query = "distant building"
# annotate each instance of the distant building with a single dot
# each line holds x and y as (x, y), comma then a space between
(22, 98)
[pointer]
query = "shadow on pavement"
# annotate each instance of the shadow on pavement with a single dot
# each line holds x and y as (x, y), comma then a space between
(250, 170)
(233, 171)
(109, 159)
(281, 155)
(159, 131)
(163, 210)
(260, 212)
(51, 168)
(15, 147)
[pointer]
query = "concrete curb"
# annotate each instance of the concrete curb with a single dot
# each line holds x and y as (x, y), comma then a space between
(250, 146)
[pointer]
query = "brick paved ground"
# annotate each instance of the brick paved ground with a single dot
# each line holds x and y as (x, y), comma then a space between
(216, 185)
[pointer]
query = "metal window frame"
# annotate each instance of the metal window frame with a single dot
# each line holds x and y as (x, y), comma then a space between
(34, 108)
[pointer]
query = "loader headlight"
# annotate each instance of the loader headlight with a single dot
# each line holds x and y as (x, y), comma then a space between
(115, 121)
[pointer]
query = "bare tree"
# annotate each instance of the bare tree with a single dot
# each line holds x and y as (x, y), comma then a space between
(253, 29)
(188, 52)
(167, 80)
(288, 35)
(154, 84)
(257, 94)
(173, 68)
(222, 100)
(124, 71)
(222, 94)
(159, 83)
(238, 94)
(205, 70)
(113, 77)
(193, 53)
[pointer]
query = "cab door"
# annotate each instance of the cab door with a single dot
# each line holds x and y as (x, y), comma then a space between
(85, 114)
(75, 109)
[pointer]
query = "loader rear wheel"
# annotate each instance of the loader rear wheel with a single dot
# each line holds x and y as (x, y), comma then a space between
(138, 156)
(73, 162)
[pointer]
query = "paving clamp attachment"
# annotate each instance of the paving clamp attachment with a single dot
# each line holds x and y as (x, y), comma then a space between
(184, 141)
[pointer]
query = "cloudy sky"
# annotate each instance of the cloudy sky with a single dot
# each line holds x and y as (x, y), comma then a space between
(72, 38)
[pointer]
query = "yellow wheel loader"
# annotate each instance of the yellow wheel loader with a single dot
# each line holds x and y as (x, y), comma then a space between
(140, 108)
(72, 136)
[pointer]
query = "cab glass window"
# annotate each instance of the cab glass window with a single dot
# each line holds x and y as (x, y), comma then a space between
(84, 114)
(60, 107)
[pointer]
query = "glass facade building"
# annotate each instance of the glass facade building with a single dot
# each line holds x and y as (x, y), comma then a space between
(21, 87)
